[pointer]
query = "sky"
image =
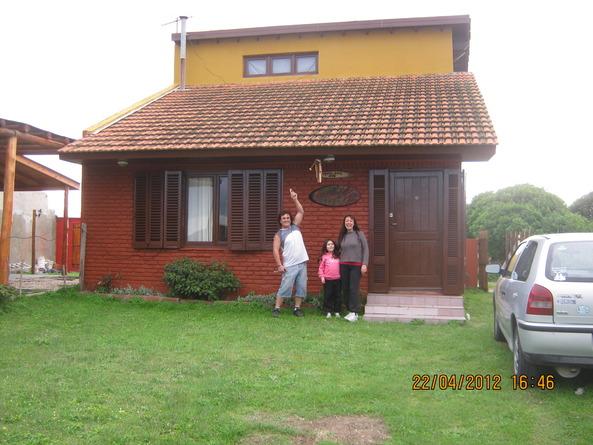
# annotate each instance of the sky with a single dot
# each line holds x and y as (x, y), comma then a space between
(68, 64)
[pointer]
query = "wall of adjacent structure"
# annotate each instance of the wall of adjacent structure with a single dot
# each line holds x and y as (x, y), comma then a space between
(351, 54)
(22, 225)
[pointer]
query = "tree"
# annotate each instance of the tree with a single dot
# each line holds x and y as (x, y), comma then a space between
(518, 208)
(583, 206)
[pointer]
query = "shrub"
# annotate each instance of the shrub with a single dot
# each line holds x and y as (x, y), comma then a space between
(129, 290)
(7, 294)
(193, 280)
(107, 283)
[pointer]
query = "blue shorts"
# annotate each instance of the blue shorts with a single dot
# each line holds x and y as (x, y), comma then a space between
(296, 274)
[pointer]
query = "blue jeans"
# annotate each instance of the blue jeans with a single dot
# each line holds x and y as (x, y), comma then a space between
(296, 274)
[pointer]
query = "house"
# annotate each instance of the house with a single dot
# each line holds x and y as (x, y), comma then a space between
(369, 118)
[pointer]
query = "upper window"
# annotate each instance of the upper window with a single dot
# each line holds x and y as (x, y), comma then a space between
(280, 64)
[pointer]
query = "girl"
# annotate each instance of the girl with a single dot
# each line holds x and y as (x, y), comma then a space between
(329, 272)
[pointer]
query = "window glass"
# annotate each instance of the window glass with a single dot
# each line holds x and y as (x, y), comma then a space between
(256, 67)
(513, 260)
(524, 264)
(306, 64)
(200, 209)
(281, 65)
(570, 261)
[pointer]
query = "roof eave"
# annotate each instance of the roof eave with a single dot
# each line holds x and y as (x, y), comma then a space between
(460, 21)
(466, 153)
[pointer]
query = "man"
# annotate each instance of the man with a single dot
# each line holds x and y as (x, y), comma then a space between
(291, 258)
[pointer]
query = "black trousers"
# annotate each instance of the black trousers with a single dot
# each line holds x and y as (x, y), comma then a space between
(351, 275)
(332, 301)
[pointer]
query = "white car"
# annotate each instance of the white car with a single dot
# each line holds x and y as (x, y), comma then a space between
(543, 304)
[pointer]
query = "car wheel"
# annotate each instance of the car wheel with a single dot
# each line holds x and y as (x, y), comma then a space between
(520, 365)
(498, 335)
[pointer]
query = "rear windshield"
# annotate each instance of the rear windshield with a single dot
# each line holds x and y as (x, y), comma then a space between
(570, 261)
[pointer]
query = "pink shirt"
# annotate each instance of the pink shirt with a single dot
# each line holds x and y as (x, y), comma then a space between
(329, 268)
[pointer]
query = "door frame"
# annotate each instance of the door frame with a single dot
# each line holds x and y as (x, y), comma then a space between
(453, 230)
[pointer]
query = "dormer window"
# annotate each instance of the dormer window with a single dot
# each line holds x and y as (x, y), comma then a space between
(280, 65)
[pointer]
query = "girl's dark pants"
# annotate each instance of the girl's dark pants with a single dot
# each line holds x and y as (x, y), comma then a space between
(331, 295)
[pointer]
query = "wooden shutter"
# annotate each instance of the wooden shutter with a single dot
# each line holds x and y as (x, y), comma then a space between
(454, 233)
(157, 210)
(237, 204)
(141, 210)
(172, 210)
(378, 236)
(254, 203)
(272, 194)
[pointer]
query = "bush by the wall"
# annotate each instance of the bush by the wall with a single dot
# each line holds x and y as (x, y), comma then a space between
(196, 280)
(7, 294)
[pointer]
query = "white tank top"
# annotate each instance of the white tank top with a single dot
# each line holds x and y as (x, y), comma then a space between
(293, 246)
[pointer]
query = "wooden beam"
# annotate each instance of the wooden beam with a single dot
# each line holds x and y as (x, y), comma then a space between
(31, 139)
(65, 235)
(8, 204)
(47, 172)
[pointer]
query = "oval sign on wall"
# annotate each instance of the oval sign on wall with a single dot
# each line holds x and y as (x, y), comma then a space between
(335, 195)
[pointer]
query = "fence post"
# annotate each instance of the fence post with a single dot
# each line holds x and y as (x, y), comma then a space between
(482, 259)
(82, 256)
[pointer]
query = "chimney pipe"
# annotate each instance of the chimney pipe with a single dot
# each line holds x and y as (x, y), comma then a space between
(182, 51)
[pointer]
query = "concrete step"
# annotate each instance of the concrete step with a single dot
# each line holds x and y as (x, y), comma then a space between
(408, 306)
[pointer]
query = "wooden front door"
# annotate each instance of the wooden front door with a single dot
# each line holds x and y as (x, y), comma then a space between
(415, 230)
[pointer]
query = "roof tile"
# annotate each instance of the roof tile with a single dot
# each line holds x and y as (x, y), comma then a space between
(436, 109)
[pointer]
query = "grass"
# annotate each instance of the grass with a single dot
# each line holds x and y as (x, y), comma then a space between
(78, 368)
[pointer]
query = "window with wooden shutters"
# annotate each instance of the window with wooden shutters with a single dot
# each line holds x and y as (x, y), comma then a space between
(157, 210)
(239, 208)
(254, 204)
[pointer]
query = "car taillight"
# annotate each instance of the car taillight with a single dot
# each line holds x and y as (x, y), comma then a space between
(540, 302)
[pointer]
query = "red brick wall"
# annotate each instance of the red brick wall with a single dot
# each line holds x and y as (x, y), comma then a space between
(107, 201)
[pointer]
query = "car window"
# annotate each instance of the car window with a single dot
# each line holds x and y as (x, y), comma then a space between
(512, 261)
(570, 261)
(525, 261)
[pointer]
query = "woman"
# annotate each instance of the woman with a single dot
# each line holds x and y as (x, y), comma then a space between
(354, 259)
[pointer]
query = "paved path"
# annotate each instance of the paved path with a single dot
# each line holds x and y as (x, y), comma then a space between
(40, 282)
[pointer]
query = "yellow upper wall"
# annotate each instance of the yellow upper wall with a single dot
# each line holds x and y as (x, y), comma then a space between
(380, 52)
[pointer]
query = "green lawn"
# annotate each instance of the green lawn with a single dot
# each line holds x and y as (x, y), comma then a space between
(78, 368)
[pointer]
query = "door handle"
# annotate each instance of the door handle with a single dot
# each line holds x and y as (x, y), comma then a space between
(394, 224)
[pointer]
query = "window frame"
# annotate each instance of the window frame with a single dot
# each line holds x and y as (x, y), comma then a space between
(216, 195)
(269, 59)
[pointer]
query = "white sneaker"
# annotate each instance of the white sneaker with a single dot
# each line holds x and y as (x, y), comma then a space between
(329, 315)
(337, 315)
(352, 316)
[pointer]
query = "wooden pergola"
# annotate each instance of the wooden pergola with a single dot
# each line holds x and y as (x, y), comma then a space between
(22, 174)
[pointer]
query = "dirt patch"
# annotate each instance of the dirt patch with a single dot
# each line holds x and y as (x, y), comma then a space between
(348, 430)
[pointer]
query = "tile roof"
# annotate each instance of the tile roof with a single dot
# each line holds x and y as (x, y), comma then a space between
(418, 110)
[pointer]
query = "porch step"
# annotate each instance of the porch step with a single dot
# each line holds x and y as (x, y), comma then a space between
(407, 306)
